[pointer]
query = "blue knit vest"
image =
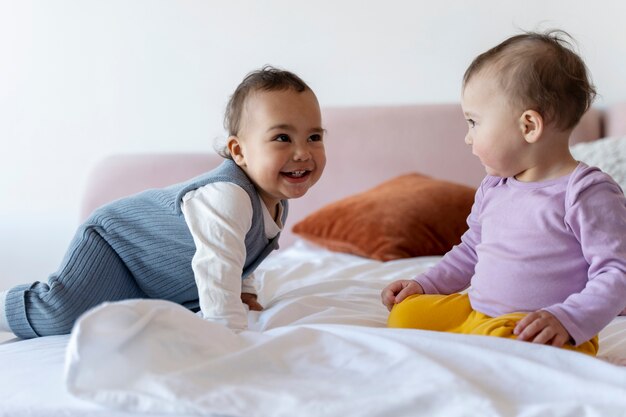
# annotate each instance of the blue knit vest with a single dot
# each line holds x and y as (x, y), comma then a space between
(149, 233)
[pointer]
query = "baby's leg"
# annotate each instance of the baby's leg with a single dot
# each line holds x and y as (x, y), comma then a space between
(90, 274)
(503, 326)
(431, 312)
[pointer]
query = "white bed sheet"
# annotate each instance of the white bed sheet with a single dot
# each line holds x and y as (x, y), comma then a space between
(319, 349)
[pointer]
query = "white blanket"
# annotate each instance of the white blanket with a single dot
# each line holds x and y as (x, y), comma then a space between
(320, 349)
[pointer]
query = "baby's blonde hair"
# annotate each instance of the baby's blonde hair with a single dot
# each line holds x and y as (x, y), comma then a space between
(541, 72)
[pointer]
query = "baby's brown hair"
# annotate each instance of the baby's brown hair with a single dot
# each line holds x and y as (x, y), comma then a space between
(541, 72)
(268, 78)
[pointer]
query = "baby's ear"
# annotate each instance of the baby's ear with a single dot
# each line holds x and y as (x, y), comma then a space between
(531, 125)
(236, 151)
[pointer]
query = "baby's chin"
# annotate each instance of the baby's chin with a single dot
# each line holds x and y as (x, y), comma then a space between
(494, 173)
(299, 187)
(298, 191)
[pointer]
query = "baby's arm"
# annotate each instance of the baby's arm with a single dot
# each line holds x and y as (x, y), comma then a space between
(453, 273)
(455, 270)
(597, 217)
(219, 215)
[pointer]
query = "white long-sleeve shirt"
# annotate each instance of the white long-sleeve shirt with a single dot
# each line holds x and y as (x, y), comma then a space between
(219, 215)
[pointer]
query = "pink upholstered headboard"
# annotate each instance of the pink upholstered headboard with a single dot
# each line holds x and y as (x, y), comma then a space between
(364, 145)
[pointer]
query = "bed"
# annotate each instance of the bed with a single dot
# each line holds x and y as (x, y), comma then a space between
(320, 347)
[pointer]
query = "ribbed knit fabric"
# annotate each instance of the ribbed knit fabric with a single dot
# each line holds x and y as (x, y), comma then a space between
(90, 273)
(136, 247)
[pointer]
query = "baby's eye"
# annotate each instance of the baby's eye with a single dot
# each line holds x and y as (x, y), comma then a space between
(471, 123)
(282, 138)
(315, 138)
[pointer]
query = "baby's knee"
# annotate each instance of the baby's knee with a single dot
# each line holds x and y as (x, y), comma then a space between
(403, 315)
(501, 326)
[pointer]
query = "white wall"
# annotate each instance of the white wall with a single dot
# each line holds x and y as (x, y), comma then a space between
(80, 79)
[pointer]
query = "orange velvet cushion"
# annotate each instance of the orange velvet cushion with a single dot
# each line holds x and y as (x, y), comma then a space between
(410, 215)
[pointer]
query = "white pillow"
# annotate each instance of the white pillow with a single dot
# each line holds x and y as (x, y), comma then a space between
(608, 154)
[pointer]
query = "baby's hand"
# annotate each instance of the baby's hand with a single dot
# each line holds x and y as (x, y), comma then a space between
(541, 327)
(398, 291)
(250, 300)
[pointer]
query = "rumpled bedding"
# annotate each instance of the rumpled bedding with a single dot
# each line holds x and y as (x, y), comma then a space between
(320, 348)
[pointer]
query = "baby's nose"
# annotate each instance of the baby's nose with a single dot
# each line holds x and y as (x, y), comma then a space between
(301, 153)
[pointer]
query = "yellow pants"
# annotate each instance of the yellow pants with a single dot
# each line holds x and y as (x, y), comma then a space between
(453, 313)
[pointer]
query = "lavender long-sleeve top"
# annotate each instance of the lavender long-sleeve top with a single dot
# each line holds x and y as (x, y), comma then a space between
(557, 245)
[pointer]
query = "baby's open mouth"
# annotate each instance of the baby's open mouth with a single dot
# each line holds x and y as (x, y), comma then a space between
(296, 174)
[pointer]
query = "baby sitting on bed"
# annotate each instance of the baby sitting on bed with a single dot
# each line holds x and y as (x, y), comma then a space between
(545, 254)
(192, 243)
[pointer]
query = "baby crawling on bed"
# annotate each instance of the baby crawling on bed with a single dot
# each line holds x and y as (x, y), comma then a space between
(196, 243)
(545, 253)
